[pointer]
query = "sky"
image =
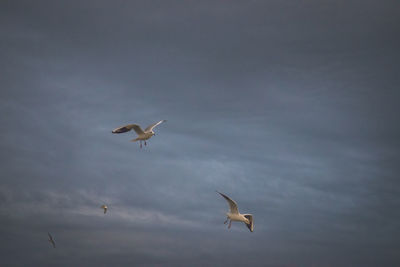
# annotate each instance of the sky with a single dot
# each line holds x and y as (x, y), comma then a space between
(288, 107)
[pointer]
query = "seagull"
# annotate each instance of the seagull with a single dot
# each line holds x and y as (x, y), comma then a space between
(51, 240)
(142, 135)
(104, 207)
(234, 215)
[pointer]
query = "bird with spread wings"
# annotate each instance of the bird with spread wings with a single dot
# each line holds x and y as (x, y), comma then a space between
(234, 215)
(143, 135)
(51, 240)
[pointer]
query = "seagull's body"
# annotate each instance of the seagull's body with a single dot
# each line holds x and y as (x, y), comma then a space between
(104, 207)
(234, 215)
(143, 135)
(51, 240)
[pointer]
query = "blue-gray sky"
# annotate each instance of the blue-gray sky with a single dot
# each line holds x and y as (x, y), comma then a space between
(289, 107)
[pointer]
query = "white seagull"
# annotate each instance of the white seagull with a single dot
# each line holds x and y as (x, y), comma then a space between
(104, 207)
(51, 240)
(142, 135)
(234, 215)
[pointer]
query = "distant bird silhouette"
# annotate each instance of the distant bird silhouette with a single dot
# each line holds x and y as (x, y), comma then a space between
(104, 207)
(142, 135)
(51, 240)
(234, 215)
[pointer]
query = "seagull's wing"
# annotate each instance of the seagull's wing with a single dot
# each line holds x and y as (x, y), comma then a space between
(150, 127)
(232, 204)
(251, 224)
(127, 128)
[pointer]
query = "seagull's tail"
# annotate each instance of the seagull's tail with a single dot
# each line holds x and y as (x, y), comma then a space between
(134, 140)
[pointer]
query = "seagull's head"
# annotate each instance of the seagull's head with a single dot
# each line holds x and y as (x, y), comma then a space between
(152, 133)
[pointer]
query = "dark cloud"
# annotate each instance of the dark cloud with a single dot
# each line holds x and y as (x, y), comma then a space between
(289, 108)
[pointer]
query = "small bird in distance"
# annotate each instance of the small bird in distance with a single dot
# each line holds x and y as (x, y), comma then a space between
(143, 135)
(104, 207)
(51, 240)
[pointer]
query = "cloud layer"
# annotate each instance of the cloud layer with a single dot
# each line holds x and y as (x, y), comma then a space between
(289, 108)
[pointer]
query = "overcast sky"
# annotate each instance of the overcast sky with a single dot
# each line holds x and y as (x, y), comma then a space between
(288, 107)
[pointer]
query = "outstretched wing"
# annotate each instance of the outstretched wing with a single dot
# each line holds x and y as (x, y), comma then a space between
(232, 204)
(151, 127)
(249, 225)
(127, 128)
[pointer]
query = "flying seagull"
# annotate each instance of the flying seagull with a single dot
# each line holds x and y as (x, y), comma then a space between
(51, 240)
(104, 207)
(142, 135)
(234, 215)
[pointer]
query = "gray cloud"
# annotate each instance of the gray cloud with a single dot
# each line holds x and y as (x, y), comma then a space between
(289, 108)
